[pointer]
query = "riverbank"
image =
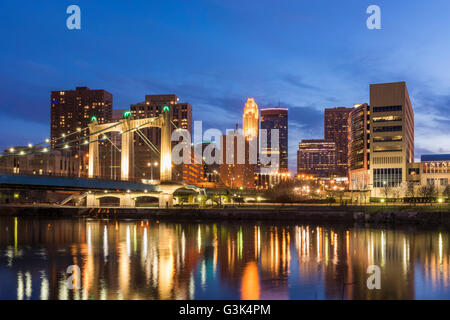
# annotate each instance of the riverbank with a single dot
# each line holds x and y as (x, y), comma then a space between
(420, 215)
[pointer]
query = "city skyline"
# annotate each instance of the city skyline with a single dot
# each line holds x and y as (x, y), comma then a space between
(307, 74)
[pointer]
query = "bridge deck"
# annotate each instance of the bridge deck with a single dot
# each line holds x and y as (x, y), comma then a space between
(72, 183)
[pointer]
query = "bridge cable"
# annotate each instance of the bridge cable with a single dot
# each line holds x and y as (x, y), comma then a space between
(147, 141)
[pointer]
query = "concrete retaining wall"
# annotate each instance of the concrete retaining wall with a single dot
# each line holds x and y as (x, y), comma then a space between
(322, 214)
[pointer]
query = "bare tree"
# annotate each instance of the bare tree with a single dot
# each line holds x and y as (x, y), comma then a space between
(446, 192)
(386, 190)
(282, 193)
(410, 189)
(396, 192)
(428, 192)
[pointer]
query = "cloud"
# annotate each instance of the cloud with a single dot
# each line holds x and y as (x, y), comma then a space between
(298, 82)
(17, 131)
(432, 122)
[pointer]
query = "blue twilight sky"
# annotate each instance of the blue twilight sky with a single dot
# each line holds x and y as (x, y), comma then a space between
(215, 54)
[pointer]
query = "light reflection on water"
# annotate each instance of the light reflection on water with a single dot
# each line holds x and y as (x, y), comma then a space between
(151, 260)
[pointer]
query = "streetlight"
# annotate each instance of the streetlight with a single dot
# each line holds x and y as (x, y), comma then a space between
(149, 164)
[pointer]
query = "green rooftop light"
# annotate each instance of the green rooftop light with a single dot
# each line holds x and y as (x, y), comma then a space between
(166, 108)
(127, 114)
(93, 119)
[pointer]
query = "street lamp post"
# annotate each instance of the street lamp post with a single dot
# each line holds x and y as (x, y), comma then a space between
(155, 164)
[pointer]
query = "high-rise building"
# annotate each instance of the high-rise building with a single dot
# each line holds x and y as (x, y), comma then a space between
(211, 170)
(191, 173)
(359, 147)
(72, 110)
(276, 118)
(181, 114)
(391, 134)
(251, 120)
(317, 157)
(336, 129)
(236, 168)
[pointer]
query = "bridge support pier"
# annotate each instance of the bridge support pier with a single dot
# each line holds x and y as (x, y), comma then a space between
(166, 200)
(127, 154)
(166, 148)
(127, 201)
(94, 162)
(92, 201)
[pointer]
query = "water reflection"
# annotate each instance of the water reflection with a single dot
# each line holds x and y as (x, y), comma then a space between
(151, 260)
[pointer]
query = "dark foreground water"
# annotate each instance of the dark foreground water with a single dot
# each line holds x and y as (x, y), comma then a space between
(151, 260)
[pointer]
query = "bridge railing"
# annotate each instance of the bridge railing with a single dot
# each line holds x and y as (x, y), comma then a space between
(36, 173)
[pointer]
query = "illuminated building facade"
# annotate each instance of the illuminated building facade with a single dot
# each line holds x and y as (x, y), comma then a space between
(392, 135)
(276, 118)
(211, 171)
(336, 129)
(181, 114)
(359, 147)
(236, 168)
(53, 163)
(73, 109)
(192, 173)
(318, 157)
(268, 180)
(251, 120)
(435, 170)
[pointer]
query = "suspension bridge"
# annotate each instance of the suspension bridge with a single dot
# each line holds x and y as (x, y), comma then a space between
(92, 189)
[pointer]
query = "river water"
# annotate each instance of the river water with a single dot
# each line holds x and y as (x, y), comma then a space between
(228, 260)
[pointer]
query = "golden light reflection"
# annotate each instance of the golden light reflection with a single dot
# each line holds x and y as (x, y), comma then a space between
(15, 234)
(105, 242)
(20, 286)
(28, 288)
(166, 274)
(199, 239)
(44, 287)
(250, 282)
(124, 265)
(163, 261)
